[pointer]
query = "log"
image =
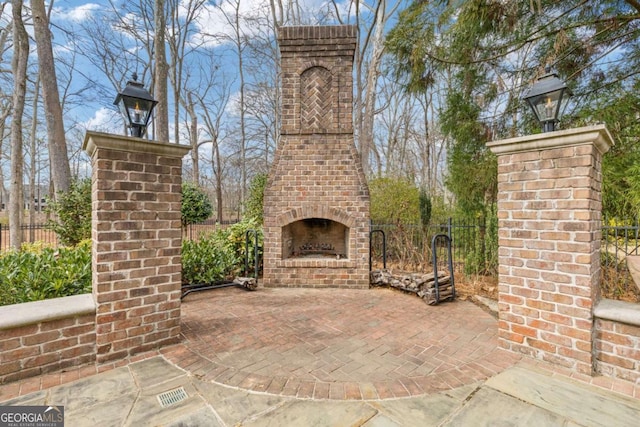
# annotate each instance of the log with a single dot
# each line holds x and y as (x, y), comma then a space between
(380, 277)
(249, 283)
(429, 277)
(441, 281)
(430, 296)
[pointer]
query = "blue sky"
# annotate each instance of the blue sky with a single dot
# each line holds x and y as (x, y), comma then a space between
(92, 109)
(72, 13)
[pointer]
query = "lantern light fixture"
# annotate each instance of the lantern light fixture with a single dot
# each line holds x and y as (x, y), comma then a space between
(547, 97)
(136, 105)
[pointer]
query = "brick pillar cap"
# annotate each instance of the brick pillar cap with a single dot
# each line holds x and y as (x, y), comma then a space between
(597, 135)
(95, 140)
(317, 32)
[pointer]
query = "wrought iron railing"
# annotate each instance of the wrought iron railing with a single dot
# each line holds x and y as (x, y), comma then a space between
(36, 233)
(409, 246)
(618, 243)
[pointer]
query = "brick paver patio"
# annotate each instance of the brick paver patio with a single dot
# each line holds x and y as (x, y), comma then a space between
(336, 343)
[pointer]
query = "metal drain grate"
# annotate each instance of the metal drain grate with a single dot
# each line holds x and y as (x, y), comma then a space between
(172, 397)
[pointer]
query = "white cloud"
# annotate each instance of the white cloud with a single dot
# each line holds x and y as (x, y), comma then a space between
(76, 14)
(215, 23)
(105, 120)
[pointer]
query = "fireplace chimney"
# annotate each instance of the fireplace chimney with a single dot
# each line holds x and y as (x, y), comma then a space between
(316, 203)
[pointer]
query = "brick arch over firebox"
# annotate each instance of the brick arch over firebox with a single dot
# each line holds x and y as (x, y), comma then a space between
(315, 211)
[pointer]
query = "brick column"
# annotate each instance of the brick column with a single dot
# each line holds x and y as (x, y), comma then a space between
(137, 238)
(549, 218)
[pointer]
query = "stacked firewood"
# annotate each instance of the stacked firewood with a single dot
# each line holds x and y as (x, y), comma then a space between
(423, 285)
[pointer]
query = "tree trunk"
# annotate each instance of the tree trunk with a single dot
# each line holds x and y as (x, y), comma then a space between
(60, 169)
(218, 176)
(161, 72)
(34, 164)
(193, 133)
(366, 135)
(243, 136)
(19, 69)
(7, 110)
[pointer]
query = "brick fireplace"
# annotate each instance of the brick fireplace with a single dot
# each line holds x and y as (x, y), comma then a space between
(316, 204)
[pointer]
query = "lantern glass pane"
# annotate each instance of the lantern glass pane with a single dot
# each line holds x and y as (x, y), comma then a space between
(124, 112)
(546, 106)
(137, 110)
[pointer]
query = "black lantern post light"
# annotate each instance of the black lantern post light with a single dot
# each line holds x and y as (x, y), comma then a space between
(546, 99)
(136, 104)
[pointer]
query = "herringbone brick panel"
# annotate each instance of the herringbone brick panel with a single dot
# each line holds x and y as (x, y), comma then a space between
(316, 99)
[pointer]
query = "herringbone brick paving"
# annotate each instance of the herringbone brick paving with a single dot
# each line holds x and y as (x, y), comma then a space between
(336, 343)
(452, 344)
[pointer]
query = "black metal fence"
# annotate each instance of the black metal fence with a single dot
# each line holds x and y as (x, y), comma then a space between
(618, 242)
(194, 231)
(36, 233)
(39, 233)
(409, 245)
(408, 248)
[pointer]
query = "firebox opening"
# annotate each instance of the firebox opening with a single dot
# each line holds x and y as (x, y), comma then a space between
(315, 238)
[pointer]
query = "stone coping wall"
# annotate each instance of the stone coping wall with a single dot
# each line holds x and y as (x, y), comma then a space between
(617, 340)
(46, 336)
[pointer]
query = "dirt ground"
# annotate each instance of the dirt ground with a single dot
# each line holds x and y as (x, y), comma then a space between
(484, 286)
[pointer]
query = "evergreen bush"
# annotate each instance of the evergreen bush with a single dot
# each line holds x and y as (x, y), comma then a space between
(218, 255)
(72, 213)
(196, 206)
(35, 273)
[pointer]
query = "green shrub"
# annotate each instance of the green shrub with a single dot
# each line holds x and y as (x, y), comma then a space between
(207, 260)
(72, 211)
(394, 200)
(237, 239)
(255, 200)
(196, 206)
(35, 273)
(218, 255)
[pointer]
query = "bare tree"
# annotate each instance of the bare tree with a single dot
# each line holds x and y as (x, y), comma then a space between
(33, 154)
(107, 46)
(396, 123)
(190, 106)
(263, 91)
(160, 90)
(367, 63)
(5, 99)
(182, 19)
(5, 113)
(60, 170)
(214, 101)
(19, 68)
(239, 41)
